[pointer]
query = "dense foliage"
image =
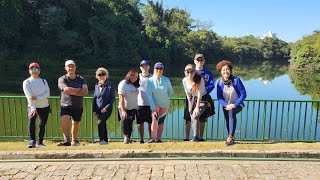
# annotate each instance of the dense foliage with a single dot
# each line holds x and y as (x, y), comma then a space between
(305, 65)
(114, 34)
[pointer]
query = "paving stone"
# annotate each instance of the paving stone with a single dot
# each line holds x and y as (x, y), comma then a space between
(44, 175)
(20, 175)
(5, 177)
(30, 177)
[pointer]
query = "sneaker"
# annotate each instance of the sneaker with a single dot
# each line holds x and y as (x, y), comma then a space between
(195, 139)
(75, 143)
(103, 142)
(158, 141)
(41, 145)
(229, 141)
(202, 140)
(64, 143)
(32, 144)
(151, 141)
(126, 140)
(187, 139)
(142, 141)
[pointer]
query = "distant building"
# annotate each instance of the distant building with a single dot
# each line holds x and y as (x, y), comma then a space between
(269, 34)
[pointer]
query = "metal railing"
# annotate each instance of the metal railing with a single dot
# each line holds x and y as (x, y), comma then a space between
(260, 120)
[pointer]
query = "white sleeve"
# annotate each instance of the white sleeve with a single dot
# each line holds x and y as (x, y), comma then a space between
(121, 87)
(27, 91)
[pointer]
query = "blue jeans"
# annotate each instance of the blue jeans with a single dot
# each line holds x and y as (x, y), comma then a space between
(231, 119)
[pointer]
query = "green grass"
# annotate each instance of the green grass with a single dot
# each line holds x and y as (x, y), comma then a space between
(21, 145)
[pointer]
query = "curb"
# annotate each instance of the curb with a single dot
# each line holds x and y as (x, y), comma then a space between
(89, 154)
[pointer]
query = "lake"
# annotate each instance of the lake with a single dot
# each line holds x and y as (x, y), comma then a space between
(262, 80)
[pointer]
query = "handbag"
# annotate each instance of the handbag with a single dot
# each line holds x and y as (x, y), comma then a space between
(210, 110)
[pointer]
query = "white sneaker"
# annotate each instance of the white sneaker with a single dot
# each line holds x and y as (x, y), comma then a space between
(75, 143)
(41, 145)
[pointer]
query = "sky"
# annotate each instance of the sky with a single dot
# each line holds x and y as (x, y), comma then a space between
(289, 19)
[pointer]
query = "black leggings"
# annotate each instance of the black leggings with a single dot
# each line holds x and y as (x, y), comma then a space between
(127, 122)
(102, 125)
(43, 118)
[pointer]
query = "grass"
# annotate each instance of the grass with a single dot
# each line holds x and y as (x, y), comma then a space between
(21, 145)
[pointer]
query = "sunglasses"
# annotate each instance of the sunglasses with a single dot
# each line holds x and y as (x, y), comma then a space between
(190, 72)
(200, 60)
(159, 69)
(35, 69)
(102, 74)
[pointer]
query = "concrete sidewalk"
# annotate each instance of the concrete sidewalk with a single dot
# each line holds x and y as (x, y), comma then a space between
(86, 154)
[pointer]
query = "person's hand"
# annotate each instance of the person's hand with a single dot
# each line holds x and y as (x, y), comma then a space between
(154, 115)
(123, 115)
(190, 110)
(32, 98)
(95, 114)
(196, 111)
(103, 110)
(230, 107)
(68, 90)
(32, 113)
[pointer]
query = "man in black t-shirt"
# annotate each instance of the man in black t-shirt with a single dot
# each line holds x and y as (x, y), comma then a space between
(73, 87)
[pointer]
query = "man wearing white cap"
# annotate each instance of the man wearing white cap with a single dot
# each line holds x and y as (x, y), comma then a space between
(73, 87)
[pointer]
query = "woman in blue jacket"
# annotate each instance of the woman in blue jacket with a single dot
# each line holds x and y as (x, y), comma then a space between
(231, 94)
(104, 95)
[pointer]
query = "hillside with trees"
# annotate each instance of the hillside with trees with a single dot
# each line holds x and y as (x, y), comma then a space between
(114, 34)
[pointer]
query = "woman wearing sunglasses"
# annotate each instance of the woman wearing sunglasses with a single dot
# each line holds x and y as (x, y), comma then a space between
(195, 89)
(104, 96)
(37, 92)
(231, 94)
(159, 90)
(128, 103)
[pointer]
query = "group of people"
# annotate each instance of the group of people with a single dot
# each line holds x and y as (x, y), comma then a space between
(142, 96)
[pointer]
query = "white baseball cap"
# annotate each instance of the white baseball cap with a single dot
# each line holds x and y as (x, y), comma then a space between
(69, 62)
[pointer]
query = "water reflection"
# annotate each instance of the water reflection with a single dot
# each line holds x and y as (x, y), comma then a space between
(306, 81)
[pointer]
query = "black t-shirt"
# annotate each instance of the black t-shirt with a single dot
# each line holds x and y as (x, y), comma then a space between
(70, 100)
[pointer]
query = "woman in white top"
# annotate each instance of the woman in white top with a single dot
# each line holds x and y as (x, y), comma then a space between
(128, 103)
(195, 89)
(37, 92)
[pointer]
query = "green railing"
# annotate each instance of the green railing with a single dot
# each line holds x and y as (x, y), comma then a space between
(260, 120)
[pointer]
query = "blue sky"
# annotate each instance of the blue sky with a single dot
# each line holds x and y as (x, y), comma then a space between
(289, 19)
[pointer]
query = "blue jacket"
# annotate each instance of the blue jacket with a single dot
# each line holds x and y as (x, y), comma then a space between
(159, 92)
(238, 86)
(103, 99)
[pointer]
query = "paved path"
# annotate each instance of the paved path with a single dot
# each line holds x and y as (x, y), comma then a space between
(165, 169)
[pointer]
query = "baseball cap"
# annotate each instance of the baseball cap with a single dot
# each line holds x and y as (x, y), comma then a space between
(34, 64)
(144, 62)
(158, 64)
(69, 62)
(198, 56)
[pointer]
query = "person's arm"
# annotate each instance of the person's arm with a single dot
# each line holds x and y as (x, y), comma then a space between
(81, 91)
(46, 94)
(28, 93)
(243, 93)
(188, 94)
(122, 107)
(220, 94)
(61, 83)
(150, 95)
(210, 84)
(197, 107)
